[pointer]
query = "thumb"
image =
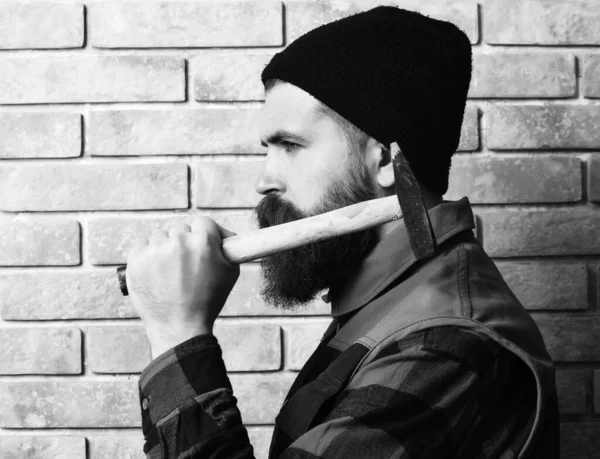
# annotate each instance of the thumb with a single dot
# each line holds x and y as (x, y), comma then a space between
(225, 233)
(208, 225)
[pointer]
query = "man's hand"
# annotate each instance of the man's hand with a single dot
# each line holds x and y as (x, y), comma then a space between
(179, 282)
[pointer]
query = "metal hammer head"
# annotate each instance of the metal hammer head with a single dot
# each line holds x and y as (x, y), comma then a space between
(414, 211)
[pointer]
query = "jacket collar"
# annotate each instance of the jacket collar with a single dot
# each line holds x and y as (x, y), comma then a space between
(393, 255)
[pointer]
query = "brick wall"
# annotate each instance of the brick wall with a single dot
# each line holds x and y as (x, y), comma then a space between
(119, 118)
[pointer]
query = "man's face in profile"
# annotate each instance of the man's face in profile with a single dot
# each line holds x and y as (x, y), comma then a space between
(309, 169)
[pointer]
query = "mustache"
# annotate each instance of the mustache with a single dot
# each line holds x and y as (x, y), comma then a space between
(272, 210)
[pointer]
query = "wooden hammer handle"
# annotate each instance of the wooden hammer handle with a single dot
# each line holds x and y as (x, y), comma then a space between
(274, 239)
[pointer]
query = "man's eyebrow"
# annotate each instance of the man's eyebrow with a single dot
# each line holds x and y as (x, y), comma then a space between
(281, 135)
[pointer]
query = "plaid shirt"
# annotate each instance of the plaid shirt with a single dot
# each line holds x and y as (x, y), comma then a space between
(438, 393)
(442, 392)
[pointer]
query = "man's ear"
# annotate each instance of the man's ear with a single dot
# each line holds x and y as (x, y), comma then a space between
(379, 158)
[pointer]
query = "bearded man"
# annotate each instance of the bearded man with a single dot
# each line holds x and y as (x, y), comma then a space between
(427, 356)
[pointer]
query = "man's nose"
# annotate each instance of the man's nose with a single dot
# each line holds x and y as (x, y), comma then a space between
(270, 179)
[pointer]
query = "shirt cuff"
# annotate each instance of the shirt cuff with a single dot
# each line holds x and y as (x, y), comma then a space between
(191, 368)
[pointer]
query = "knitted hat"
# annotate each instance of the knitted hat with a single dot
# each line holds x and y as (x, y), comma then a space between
(397, 75)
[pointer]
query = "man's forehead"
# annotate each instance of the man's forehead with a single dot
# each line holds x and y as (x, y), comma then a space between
(287, 108)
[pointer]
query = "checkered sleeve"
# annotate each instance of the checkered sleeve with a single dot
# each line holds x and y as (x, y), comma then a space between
(444, 392)
(188, 406)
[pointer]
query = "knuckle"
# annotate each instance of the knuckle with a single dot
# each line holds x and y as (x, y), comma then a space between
(202, 224)
(179, 228)
(157, 235)
(170, 223)
(202, 237)
(182, 243)
(179, 235)
(177, 242)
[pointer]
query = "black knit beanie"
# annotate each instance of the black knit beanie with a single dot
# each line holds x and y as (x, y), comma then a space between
(397, 75)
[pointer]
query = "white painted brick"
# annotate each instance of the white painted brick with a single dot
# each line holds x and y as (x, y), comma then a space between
(25, 80)
(93, 187)
(42, 446)
(214, 79)
(117, 349)
(69, 403)
(38, 350)
(572, 338)
(52, 295)
(547, 285)
(39, 242)
(532, 75)
(301, 339)
(591, 76)
(116, 446)
(260, 439)
(502, 179)
(182, 132)
(40, 135)
(302, 16)
(186, 24)
(526, 232)
(542, 22)
(41, 26)
(249, 346)
(525, 127)
(469, 134)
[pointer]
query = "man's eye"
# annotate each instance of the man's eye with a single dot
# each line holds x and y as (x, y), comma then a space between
(289, 146)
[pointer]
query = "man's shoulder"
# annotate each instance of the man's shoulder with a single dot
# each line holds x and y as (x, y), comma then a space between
(463, 345)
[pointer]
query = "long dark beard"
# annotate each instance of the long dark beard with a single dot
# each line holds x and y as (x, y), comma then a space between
(295, 277)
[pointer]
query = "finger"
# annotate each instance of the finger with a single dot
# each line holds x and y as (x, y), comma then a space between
(137, 246)
(179, 228)
(158, 237)
(205, 225)
(169, 223)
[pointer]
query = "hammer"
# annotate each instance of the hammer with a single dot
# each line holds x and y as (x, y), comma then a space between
(274, 239)
(408, 203)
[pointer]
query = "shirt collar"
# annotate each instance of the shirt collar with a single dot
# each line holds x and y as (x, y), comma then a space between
(393, 255)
